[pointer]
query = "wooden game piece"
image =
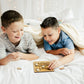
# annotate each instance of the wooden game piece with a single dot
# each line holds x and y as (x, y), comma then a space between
(18, 68)
(61, 68)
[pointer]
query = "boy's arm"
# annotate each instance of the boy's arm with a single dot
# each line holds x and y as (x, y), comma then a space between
(3, 58)
(66, 59)
(54, 52)
(11, 57)
(4, 61)
(32, 50)
(63, 51)
(27, 56)
(16, 56)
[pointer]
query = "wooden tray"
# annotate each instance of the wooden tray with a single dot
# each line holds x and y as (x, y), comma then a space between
(41, 66)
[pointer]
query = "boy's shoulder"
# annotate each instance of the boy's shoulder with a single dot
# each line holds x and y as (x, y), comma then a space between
(63, 35)
(3, 36)
(27, 36)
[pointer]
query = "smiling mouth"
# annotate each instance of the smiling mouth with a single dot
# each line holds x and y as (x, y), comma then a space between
(49, 41)
(17, 37)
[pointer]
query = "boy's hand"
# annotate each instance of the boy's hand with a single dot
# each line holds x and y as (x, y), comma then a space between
(54, 64)
(64, 51)
(14, 56)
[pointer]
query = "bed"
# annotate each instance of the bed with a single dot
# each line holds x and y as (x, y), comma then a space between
(22, 71)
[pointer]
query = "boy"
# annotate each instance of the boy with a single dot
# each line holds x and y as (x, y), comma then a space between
(14, 43)
(57, 42)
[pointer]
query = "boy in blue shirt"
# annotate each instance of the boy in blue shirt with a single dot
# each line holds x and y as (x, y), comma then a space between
(57, 42)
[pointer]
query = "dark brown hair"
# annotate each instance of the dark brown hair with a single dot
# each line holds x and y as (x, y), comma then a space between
(9, 17)
(50, 22)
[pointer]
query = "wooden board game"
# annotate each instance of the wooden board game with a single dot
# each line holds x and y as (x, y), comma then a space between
(41, 66)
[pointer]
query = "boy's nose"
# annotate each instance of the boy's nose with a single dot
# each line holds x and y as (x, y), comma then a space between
(47, 38)
(19, 33)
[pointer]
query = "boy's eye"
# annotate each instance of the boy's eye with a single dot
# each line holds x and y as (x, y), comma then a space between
(21, 29)
(49, 35)
(44, 36)
(14, 31)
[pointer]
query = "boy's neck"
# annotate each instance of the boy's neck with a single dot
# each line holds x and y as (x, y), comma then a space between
(58, 38)
(16, 44)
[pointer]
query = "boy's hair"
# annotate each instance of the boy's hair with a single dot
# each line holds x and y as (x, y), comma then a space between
(9, 17)
(50, 22)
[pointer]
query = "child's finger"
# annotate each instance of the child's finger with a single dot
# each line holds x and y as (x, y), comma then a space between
(53, 66)
(66, 53)
(51, 63)
(63, 53)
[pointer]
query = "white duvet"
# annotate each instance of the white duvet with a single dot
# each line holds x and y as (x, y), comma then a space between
(73, 73)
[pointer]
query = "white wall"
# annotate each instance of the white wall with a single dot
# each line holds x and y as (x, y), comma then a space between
(77, 6)
(36, 8)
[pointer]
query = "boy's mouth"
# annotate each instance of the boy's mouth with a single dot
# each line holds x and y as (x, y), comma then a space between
(17, 37)
(49, 41)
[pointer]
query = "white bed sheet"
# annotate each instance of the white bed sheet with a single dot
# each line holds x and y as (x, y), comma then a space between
(73, 73)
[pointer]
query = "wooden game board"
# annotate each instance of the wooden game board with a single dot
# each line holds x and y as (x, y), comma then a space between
(41, 66)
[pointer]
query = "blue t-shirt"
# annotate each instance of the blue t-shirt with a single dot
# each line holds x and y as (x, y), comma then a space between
(63, 42)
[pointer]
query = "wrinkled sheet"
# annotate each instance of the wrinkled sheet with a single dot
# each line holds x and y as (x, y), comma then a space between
(73, 73)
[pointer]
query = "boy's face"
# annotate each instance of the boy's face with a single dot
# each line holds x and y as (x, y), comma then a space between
(14, 31)
(51, 35)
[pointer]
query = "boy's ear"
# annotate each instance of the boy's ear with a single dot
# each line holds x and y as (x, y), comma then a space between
(3, 29)
(59, 29)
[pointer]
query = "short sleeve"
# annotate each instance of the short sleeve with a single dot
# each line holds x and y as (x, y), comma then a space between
(68, 43)
(47, 46)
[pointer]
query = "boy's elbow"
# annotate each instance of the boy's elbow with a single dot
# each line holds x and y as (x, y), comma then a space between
(47, 51)
(2, 63)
